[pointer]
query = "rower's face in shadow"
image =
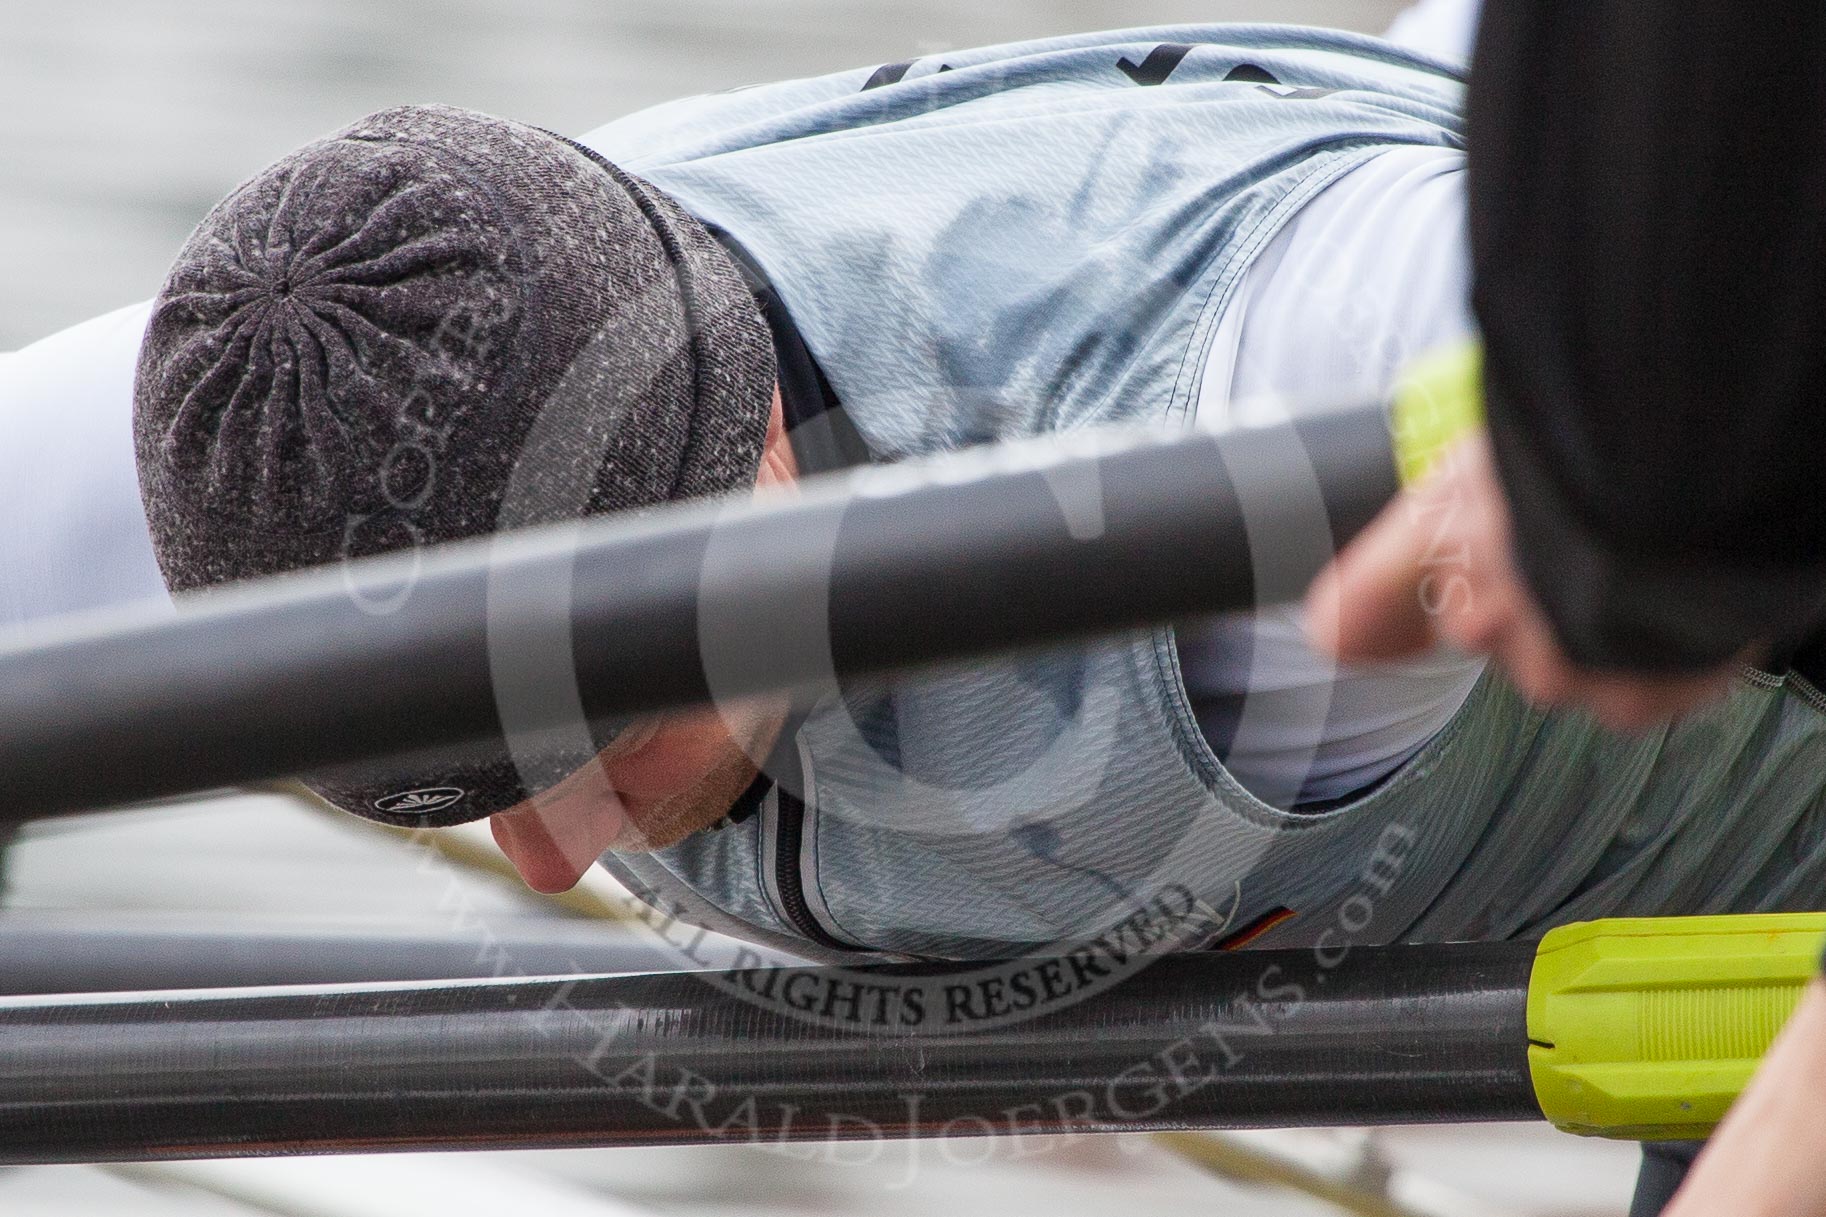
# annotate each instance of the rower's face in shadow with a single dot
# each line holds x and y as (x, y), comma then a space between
(658, 783)
(663, 778)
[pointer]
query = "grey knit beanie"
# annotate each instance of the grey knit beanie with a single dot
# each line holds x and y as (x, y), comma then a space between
(428, 326)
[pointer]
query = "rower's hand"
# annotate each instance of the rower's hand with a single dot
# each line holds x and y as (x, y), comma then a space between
(1436, 567)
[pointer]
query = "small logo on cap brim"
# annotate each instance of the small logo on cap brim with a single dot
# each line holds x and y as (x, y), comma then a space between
(420, 802)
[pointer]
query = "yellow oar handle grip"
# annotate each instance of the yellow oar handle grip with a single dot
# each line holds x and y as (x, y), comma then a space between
(1439, 401)
(1649, 1029)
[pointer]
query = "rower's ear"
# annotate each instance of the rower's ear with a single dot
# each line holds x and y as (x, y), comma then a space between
(779, 467)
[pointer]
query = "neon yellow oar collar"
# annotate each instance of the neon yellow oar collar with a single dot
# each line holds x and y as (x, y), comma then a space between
(1649, 1029)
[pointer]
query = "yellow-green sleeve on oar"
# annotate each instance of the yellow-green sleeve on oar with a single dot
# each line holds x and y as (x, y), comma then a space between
(1648, 1029)
(1440, 399)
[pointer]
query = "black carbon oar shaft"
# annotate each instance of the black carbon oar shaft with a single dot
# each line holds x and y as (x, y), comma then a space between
(888, 570)
(79, 952)
(1392, 1035)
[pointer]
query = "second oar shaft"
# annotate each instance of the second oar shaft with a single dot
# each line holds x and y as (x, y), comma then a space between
(764, 1057)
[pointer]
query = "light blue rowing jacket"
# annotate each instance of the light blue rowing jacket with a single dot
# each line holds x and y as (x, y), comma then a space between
(1019, 240)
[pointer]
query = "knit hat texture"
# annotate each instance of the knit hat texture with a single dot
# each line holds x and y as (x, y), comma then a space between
(428, 326)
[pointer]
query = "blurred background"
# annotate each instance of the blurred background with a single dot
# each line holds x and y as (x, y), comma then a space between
(121, 122)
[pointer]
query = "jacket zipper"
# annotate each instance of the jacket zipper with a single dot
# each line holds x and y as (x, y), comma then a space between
(789, 878)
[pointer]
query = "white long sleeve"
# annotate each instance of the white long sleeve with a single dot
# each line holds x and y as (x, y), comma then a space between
(72, 533)
(1372, 273)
